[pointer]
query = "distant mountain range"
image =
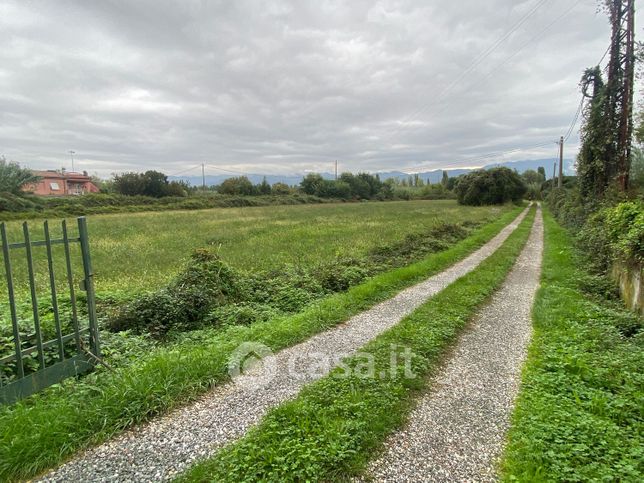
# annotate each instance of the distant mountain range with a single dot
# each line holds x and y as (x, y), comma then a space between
(433, 176)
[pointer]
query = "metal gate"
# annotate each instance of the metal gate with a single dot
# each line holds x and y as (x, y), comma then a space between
(74, 347)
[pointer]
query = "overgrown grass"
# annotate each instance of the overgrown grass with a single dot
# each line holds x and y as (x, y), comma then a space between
(579, 412)
(23, 207)
(134, 252)
(43, 430)
(334, 426)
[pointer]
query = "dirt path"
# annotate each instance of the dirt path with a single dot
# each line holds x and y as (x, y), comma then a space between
(457, 431)
(168, 445)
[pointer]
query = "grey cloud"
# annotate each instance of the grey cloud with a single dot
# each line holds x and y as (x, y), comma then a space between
(284, 86)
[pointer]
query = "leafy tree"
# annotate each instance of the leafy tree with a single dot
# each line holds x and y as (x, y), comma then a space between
(490, 187)
(129, 184)
(375, 185)
(237, 186)
(155, 184)
(445, 179)
(335, 189)
(177, 188)
(311, 183)
(532, 176)
(281, 189)
(264, 188)
(150, 183)
(13, 177)
(595, 162)
(542, 172)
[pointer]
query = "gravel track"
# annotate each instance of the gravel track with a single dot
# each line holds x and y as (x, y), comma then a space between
(457, 430)
(159, 450)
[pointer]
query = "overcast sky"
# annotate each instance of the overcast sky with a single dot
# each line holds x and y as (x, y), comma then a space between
(289, 86)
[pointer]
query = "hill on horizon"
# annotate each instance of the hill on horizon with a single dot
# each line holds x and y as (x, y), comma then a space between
(432, 176)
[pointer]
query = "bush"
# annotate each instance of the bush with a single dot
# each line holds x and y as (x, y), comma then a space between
(625, 224)
(237, 186)
(150, 183)
(339, 276)
(12, 202)
(611, 233)
(490, 187)
(183, 305)
(240, 314)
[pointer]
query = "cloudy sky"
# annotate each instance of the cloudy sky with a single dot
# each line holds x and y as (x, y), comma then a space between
(289, 86)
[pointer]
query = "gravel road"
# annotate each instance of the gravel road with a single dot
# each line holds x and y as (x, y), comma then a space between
(457, 430)
(166, 446)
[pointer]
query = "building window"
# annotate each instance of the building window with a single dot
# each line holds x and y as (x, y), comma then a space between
(54, 186)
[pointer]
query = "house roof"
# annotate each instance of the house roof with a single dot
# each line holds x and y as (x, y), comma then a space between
(56, 175)
(49, 174)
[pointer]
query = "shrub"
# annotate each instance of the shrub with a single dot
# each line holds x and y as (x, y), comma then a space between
(13, 177)
(625, 224)
(237, 186)
(338, 276)
(183, 305)
(490, 187)
(240, 314)
(12, 202)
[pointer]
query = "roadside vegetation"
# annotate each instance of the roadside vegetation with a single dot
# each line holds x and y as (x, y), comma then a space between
(331, 430)
(152, 377)
(579, 413)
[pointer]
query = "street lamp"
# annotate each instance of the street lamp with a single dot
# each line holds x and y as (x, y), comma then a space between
(72, 154)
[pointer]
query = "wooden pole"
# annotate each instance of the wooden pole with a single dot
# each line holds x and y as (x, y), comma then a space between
(561, 143)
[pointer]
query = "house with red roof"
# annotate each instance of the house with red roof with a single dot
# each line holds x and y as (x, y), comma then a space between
(54, 183)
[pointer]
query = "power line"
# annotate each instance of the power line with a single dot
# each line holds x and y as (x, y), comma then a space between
(504, 62)
(225, 170)
(537, 37)
(185, 170)
(575, 119)
(475, 63)
(581, 103)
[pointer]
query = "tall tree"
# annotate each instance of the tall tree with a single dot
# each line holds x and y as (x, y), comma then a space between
(595, 162)
(619, 86)
(13, 177)
(607, 131)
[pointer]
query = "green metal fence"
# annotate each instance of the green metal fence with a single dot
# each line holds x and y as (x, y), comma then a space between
(75, 348)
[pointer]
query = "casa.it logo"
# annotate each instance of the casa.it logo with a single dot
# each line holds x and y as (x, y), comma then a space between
(252, 365)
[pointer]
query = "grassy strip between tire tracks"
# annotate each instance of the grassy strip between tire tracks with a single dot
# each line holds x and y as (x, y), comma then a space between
(43, 430)
(579, 413)
(334, 426)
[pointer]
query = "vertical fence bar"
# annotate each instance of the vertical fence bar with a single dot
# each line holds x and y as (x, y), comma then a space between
(89, 285)
(12, 301)
(34, 295)
(54, 298)
(72, 290)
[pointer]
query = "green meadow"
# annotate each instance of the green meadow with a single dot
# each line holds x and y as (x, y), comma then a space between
(141, 251)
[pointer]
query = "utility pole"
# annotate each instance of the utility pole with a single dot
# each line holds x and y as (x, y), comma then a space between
(554, 174)
(561, 143)
(336, 169)
(626, 118)
(203, 176)
(619, 101)
(72, 154)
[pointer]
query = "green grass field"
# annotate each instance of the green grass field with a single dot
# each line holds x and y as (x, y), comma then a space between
(141, 251)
